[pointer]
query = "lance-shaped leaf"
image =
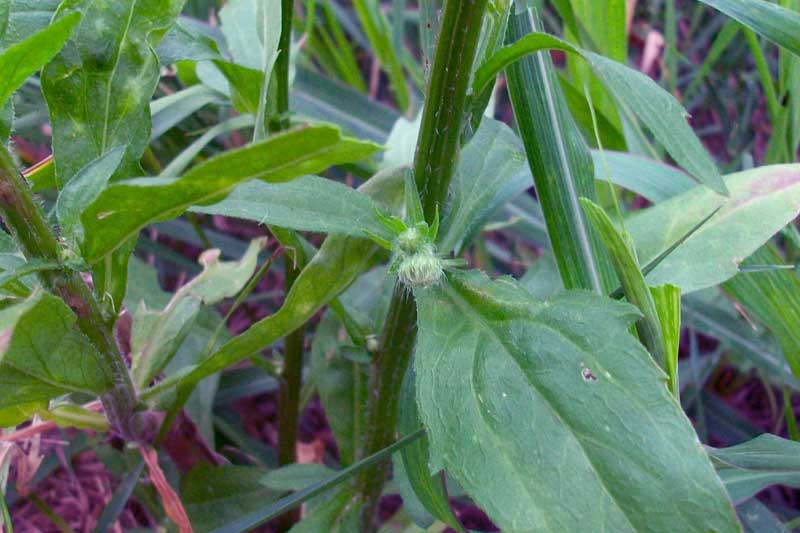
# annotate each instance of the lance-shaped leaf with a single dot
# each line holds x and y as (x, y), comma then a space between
(667, 299)
(157, 334)
(756, 464)
(490, 173)
(308, 203)
(82, 190)
(762, 201)
(428, 487)
(561, 165)
(42, 356)
(19, 19)
(773, 298)
(774, 22)
(121, 210)
(623, 256)
(550, 414)
(98, 88)
(634, 93)
(25, 58)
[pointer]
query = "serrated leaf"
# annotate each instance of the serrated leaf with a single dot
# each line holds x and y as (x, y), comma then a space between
(98, 88)
(158, 333)
(761, 202)
(119, 213)
(42, 356)
(756, 464)
(21, 60)
(566, 415)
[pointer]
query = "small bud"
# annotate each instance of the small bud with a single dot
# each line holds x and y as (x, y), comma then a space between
(422, 269)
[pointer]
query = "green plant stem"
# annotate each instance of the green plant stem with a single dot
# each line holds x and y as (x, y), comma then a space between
(439, 142)
(281, 119)
(291, 377)
(446, 101)
(290, 384)
(25, 219)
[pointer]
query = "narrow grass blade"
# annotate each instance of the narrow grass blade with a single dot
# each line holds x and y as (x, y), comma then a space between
(560, 162)
(772, 21)
(635, 288)
(298, 498)
(772, 298)
(117, 503)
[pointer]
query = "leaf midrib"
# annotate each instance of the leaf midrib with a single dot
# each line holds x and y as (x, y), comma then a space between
(470, 314)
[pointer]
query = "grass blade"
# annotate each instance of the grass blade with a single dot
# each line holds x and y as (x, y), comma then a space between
(298, 498)
(559, 159)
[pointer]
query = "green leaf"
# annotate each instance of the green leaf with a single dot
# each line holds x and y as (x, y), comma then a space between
(342, 387)
(328, 516)
(157, 334)
(739, 337)
(652, 179)
(185, 41)
(377, 29)
(750, 467)
(118, 213)
(337, 264)
(629, 272)
(247, 521)
(634, 93)
(772, 21)
(98, 88)
(490, 173)
(24, 18)
(308, 203)
(185, 158)
(18, 62)
(567, 416)
(268, 15)
(169, 110)
(667, 300)
(560, 162)
(428, 487)
(295, 476)
(326, 100)
(762, 201)
(42, 356)
(214, 496)
(82, 190)
(240, 26)
(757, 518)
(773, 299)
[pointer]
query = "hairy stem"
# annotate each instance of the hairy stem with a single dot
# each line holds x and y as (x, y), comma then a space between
(439, 142)
(25, 219)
